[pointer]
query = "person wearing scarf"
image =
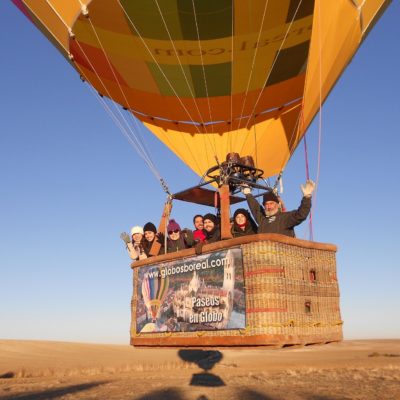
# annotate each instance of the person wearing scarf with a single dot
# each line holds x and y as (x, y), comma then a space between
(243, 224)
(150, 235)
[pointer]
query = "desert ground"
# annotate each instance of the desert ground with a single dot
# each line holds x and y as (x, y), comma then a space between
(359, 369)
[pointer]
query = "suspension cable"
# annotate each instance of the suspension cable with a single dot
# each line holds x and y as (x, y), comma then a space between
(166, 79)
(127, 129)
(158, 66)
(232, 70)
(274, 62)
(186, 79)
(204, 74)
(252, 65)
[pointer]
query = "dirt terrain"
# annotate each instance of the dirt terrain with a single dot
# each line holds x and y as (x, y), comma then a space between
(364, 369)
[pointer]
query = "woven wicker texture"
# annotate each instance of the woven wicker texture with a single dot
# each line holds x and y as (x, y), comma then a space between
(292, 296)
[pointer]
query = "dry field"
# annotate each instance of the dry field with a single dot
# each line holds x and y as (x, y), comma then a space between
(367, 369)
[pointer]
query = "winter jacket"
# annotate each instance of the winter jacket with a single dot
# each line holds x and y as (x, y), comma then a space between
(282, 222)
(199, 235)
(136, 252)
(214, 235)
(185, 241)
(248, 230)
(148, 245)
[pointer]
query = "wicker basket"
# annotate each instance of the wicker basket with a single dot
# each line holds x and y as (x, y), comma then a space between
(291, 291)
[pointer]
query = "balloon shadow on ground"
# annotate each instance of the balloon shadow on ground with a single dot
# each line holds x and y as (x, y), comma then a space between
(53, 393)
(249, 394)
(205, 359)
(164, 394)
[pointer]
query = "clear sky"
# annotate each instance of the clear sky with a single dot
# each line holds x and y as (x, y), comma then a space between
(70, 183)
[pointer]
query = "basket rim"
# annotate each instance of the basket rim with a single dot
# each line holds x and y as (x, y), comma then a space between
(225, 244)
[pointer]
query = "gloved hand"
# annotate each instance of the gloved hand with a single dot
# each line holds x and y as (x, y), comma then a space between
(125, 237)
(198, 248)
(188, 236)
(308, 188)
(160, 237)
(246, 190)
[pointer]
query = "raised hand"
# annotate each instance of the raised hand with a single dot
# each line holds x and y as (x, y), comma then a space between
(308, 188)
(125, 237)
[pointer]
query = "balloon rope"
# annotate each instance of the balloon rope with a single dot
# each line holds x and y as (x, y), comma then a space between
(202, 61)
(319, 121)
(168, 82)
(274, 62)
(131, 139)
(252, 66)
(204, 76)
(159, 67)
(293, 141)
(306, 157)
(136, 141)
(310, 226)
(180, 64)
(125, 127)
(138, 138)
(320, 110)
(205, 137)
(230, 149)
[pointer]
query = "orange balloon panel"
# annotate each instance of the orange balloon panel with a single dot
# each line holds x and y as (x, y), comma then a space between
(210, 77)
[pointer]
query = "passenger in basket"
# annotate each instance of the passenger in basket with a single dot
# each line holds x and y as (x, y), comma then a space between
(178, 239)
(134, 245)
(271, 219)
(150, 235)
(211, 226)
(243, 224)
(199, 234)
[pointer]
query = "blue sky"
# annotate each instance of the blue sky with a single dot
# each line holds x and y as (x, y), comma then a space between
(70, 183)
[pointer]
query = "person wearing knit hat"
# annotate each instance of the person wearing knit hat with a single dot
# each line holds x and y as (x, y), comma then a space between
(178, 239)
(243, 224)
(271, 219)
(150, 232)
(137, 230)
(134, 246)
(270, 196)
(211, 226)
(149, 227)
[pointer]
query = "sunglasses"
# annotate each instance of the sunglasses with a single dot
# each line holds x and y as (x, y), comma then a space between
(171, 232)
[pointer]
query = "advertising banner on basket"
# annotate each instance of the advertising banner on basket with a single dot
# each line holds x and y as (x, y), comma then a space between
(193, 294)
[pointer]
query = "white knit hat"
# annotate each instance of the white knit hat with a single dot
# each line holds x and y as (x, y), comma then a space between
(136, 229)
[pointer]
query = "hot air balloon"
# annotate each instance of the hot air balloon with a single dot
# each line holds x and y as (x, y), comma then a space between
(154, 289)
(212, 77)
(215, 78)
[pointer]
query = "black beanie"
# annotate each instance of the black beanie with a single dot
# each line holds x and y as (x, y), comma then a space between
(211, 217)
(150, 227)
(241, 211)
(270, 196)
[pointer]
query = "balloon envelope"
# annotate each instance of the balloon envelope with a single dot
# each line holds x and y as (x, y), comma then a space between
(211, 77)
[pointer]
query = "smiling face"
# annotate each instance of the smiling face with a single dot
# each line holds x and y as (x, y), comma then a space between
(137, 237)
(208, 225)
(240, 219)
(198, 223)
(271, 208)
(175, 234)
(149, 235)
